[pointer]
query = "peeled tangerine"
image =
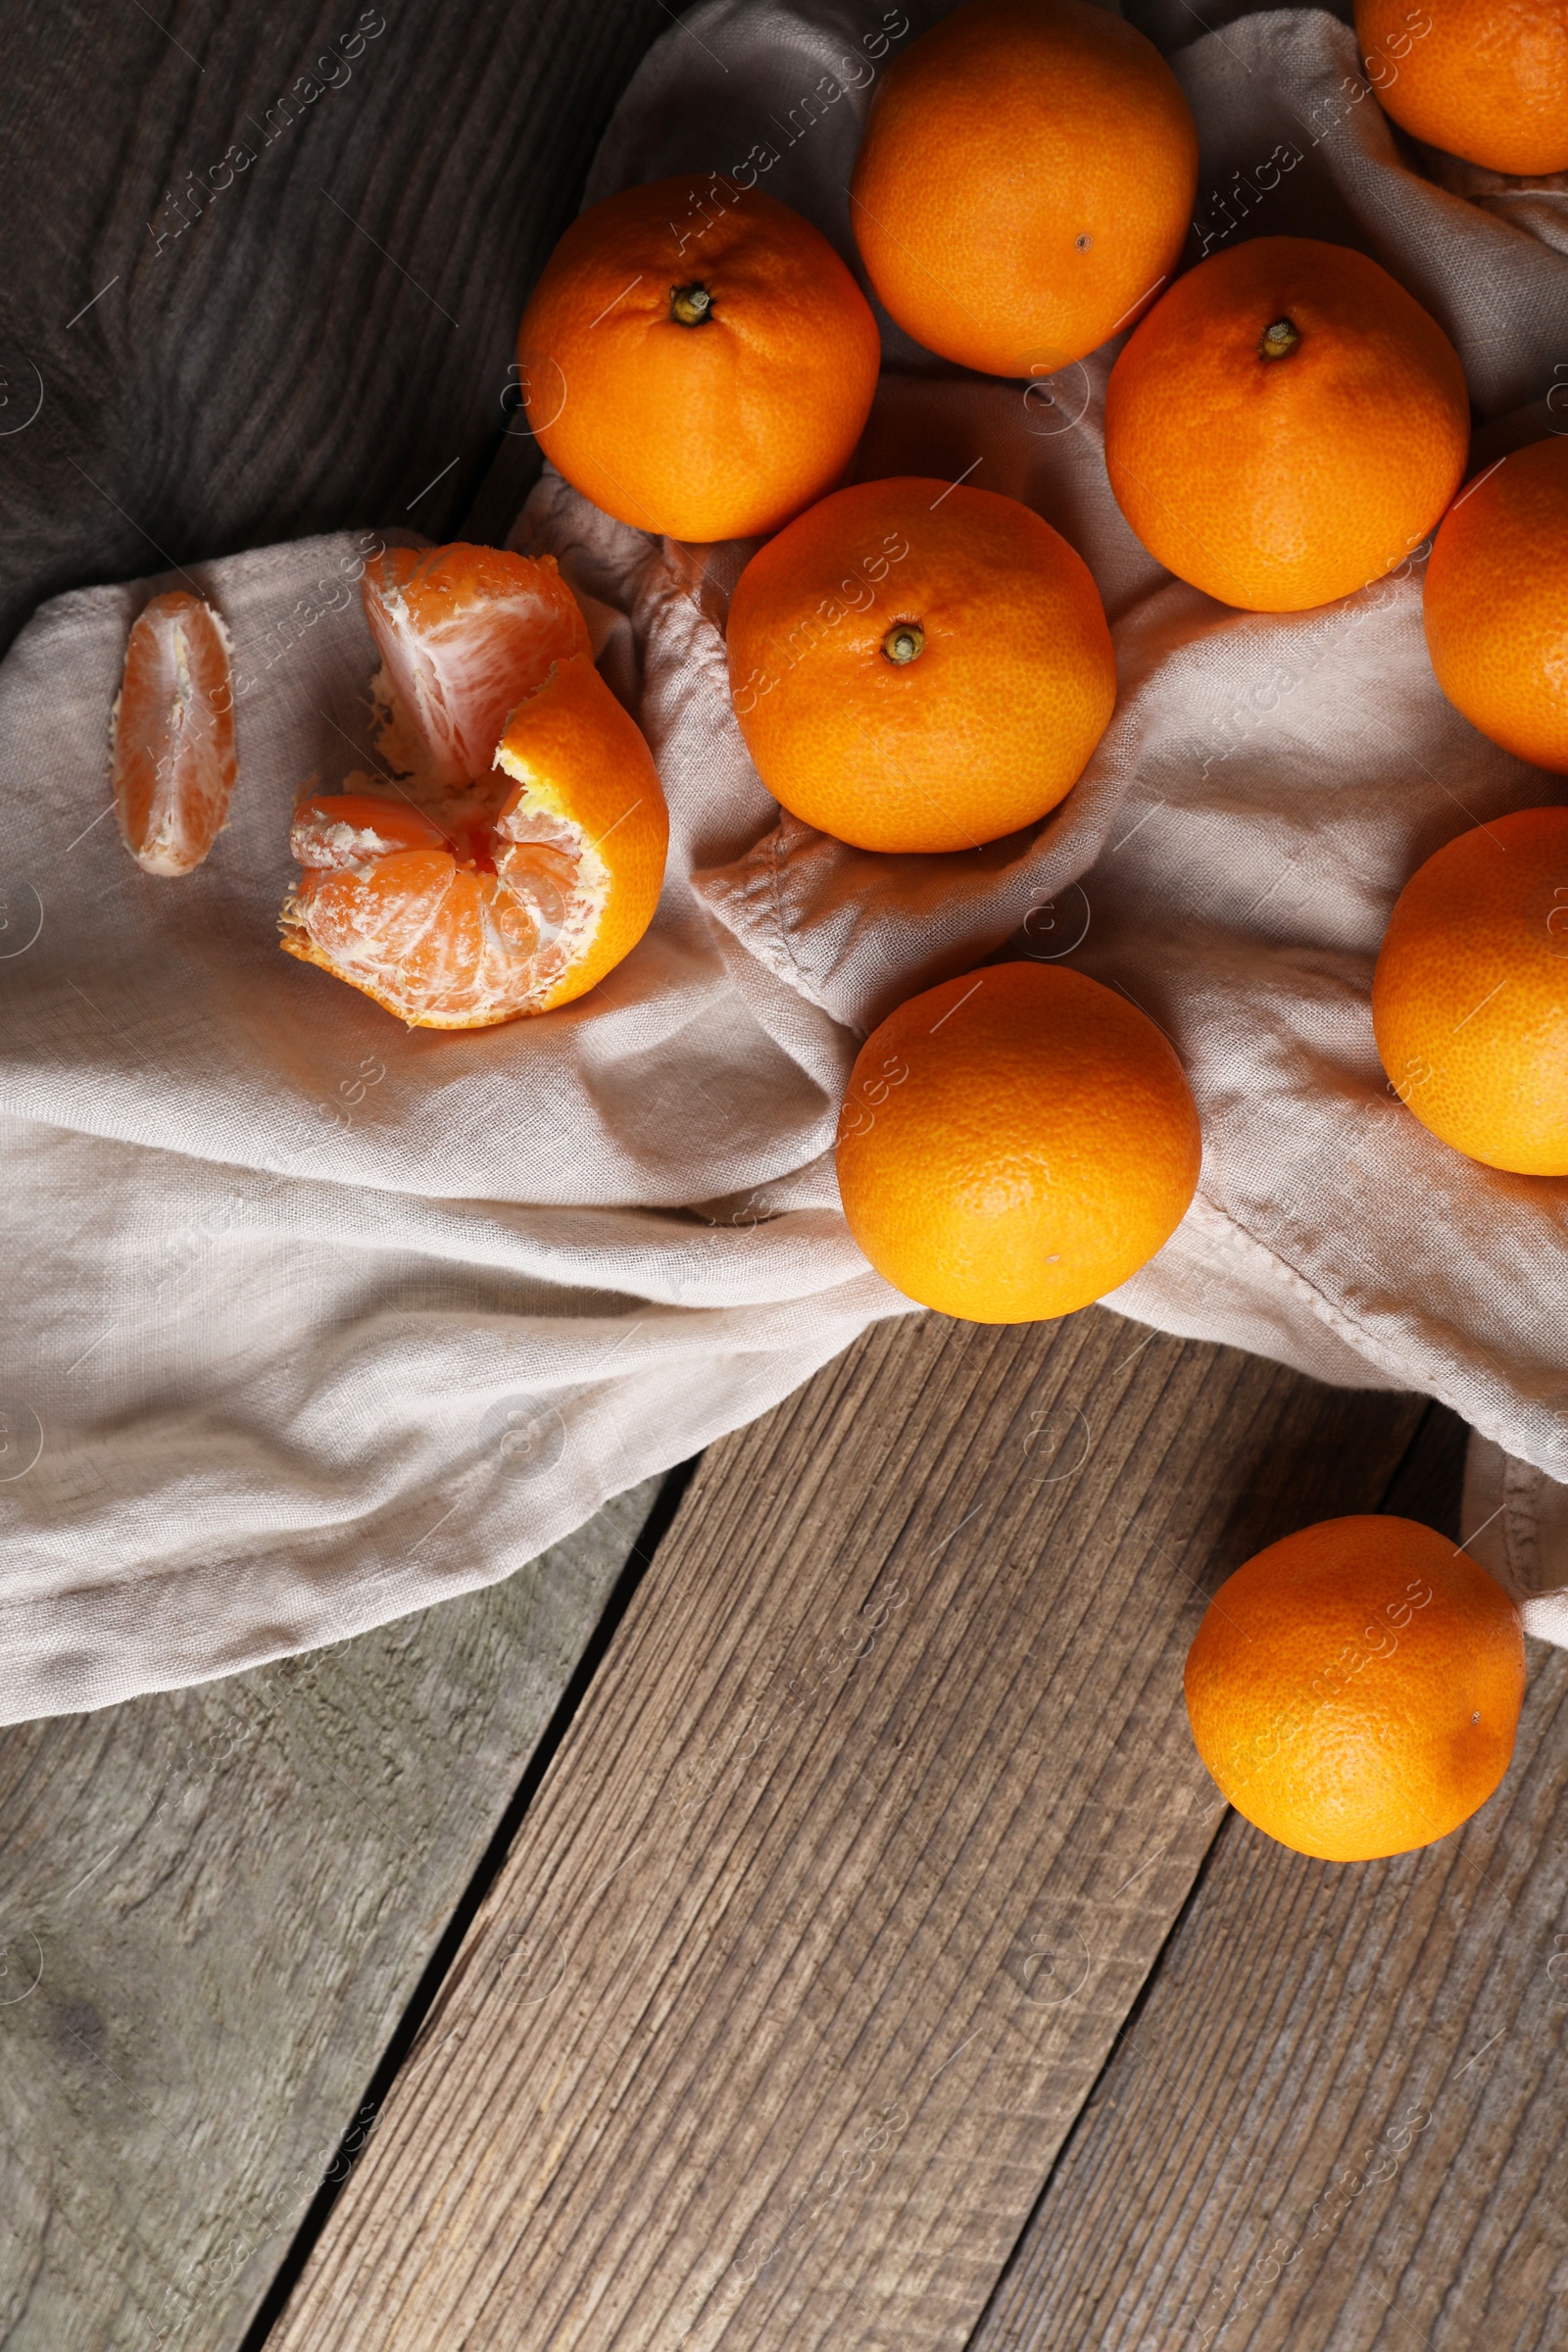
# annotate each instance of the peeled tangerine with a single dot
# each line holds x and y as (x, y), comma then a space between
(173, 735)
(1014, 1143)
(523, 852)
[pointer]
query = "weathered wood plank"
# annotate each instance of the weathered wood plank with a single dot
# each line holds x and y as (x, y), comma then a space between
(847, 1873)
(214, 1907)
(1338, 2122)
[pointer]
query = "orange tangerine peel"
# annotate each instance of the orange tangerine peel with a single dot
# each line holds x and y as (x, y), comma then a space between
(586, 788)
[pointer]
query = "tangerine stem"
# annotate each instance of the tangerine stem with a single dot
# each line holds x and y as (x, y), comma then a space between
(691, 305)
(1279, 340)
(904, 641)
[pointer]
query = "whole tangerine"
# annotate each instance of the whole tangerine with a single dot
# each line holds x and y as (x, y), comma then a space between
(1285, 425)
(1015, 1143)
(1486, 80)
(1354, 1688)
(1470, 996)
(1495, 604)
(919, 667)
(1024, 183)
(697, 359)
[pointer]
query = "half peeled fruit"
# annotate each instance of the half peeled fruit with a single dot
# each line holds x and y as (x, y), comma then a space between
(462, 916)
(518, 852)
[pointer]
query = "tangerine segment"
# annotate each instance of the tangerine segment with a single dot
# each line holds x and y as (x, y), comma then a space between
(918, 667)
(1025, 182)
(1470, 995)
(1486, 80)
(562, 886)
(1354, 1688)
(1285, 425)
(172, 734)
(465, 633)
(1014, 1143)
(1495, 604)
(697, 359)
(334, 832)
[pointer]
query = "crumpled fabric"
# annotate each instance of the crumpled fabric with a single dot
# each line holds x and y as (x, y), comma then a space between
(316, 1319)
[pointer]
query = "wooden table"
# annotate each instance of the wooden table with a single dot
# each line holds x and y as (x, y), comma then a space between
(791, 1913)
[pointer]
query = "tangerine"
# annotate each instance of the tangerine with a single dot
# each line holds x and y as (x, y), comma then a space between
(1470, 995)
(1354, 1688)
(457, 918)
(1024, 183)
(463, 633)
(172, 734)
(1486, 80)
(917, 666)
(1285, 425)
(1495, 604)
(697, 359)
(1015, 1143)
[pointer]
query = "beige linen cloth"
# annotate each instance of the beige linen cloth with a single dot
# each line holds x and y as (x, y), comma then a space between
(314, 1320)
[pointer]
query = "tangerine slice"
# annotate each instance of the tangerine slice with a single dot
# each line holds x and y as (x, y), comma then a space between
(172, 734)
(563, 885)
(465, 633)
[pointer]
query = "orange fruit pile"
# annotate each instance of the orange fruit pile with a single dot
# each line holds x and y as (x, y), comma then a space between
(172, 734)
(1486, 80)
(1354, 1688)
(1470, 996)
(697, 358)
(1025, 182)
(1496, 605)
(1015, 1143)
(919, 667)
(526, 856)
(1285, 425)
(922, 668)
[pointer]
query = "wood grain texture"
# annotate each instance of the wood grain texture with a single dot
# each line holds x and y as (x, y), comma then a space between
(842, 1884)
(326, 334)
(1338, 2122)
(214, 1907)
